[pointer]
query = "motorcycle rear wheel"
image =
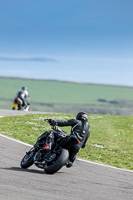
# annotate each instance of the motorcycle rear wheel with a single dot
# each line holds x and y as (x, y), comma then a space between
(14, 108)
(58, 164)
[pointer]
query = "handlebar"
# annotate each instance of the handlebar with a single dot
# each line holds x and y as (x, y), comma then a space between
(53, 127)
(46, 120)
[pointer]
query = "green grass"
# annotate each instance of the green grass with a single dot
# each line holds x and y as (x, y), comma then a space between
(63, 92)
(68, 97)
(110, 141)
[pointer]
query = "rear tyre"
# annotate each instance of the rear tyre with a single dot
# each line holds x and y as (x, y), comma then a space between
(58, 164)
(14, 108)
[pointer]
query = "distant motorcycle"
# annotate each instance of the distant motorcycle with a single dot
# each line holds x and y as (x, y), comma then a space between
(18, 105)
(37, 157)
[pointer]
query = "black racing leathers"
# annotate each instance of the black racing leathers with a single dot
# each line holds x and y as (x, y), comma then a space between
(79, 130)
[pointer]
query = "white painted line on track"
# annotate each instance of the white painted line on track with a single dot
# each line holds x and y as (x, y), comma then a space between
(105, 165)
(16, 140)
(87, 161)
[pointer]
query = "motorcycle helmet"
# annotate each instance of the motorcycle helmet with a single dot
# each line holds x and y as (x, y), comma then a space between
(82, 116)
(24, 88)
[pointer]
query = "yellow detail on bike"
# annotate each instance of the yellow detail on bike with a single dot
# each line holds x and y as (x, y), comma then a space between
(15, 105)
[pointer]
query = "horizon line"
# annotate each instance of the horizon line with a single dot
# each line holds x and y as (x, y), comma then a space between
(68, 81)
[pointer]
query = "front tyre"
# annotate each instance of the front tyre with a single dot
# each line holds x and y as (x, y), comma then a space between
(27, 160)
(58, 164)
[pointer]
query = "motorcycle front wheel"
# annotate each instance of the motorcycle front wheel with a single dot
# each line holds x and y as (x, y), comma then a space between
(58, 164)
(27, 160)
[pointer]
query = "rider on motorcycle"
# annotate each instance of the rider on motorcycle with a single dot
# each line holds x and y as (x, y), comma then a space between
(77, 139)
(24, 96)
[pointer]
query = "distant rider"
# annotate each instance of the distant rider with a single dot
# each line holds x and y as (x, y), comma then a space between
(77, 139)
(24, 96)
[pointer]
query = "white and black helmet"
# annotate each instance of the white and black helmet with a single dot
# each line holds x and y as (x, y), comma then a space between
(82, 116)
(24, 88)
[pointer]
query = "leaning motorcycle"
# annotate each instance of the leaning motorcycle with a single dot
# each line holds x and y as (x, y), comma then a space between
(35, 155)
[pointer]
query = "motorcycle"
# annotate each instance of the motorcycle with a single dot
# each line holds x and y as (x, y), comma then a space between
(17, 105)
(36, 156)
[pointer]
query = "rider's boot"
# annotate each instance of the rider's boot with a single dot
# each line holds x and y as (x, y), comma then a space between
(69, 164)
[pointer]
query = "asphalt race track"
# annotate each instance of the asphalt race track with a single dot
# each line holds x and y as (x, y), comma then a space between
(83, 181)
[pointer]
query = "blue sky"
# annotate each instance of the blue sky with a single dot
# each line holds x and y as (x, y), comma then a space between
(78, 40)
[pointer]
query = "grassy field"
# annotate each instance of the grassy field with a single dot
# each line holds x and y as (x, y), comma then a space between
(110, 141)
(57, 96)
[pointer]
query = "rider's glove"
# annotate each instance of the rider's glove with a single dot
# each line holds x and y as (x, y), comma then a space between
(52, 122)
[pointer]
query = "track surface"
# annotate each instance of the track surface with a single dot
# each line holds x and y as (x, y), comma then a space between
(84, 181)
(4, 112)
